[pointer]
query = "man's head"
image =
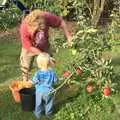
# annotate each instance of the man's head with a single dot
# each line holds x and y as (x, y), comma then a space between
(43, 61)
(35, 20)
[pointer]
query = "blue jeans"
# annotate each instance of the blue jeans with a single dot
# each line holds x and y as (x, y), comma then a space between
(44, 102)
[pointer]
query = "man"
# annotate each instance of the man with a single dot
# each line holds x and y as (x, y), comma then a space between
(38, 21)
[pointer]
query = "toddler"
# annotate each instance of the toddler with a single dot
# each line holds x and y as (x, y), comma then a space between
(44, 79)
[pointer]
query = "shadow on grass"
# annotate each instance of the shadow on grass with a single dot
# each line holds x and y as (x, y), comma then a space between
(116, 61)
(65, 94)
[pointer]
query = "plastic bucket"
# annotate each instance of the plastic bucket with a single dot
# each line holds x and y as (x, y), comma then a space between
(27, 96)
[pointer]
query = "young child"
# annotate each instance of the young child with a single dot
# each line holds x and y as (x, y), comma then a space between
(44, 79)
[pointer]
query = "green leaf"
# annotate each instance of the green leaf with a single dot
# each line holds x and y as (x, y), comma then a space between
(91, 30)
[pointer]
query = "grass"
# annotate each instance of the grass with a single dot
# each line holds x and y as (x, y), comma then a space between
(10, 110)
(9, 60)
(9, 69)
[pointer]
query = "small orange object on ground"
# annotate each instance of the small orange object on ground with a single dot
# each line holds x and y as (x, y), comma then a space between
(16, 86)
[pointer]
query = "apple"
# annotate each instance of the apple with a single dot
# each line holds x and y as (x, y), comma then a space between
(15, 87)
(66, 74)
(78, 71)
(89, 88)
(74, 52)
(20, 84)
(106, 91)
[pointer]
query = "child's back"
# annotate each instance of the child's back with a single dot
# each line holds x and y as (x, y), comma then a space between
(44, 80)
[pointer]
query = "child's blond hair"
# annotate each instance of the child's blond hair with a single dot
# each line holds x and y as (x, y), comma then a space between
(43, 60)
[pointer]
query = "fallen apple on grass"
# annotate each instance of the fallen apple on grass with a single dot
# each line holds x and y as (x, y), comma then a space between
(18, 85)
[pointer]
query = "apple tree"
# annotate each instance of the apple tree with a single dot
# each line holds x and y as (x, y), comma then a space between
(90, 68)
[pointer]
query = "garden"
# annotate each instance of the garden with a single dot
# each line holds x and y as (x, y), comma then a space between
(88, 72)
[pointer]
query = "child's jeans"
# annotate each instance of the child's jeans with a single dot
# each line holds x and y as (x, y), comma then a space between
(44, 102)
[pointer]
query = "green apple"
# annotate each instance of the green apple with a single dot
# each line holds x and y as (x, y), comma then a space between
(74, 51)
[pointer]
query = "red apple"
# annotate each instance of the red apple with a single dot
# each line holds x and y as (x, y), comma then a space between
(89, 88)
(106, 91)
(78, 71)
(66, 74)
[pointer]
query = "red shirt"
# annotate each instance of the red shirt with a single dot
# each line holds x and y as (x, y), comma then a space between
(28, 39)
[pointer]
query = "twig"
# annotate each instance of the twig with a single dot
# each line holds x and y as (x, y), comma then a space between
(55, 90)
(89, 9)
(86, 110)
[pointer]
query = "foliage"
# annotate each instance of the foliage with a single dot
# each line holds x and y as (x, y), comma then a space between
(64, 8)
(86, 108)
(59, 7)
(46, 5)
(9, 18)
(89, 45)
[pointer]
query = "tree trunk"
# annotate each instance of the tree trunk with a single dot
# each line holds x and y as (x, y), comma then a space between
(97, 10)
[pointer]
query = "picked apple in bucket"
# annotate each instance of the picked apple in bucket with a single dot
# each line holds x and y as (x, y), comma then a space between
(16, 86)
(24, 84)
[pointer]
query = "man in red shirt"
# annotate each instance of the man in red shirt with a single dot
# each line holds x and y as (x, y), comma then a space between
(34, 36)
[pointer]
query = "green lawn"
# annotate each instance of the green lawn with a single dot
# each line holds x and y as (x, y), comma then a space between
(9, 61)
(9, 70)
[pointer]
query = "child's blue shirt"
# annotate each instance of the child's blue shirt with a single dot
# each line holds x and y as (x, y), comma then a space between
(44, 80)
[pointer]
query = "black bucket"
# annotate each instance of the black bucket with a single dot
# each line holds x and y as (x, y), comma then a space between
(27, 96)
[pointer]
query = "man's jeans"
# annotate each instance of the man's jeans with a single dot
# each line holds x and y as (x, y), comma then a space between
(44, 102)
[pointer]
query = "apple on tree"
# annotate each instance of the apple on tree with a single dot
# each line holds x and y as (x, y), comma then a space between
(106, 91)
(74, 51)
(89, 88)
(66, 74)
(78, 71)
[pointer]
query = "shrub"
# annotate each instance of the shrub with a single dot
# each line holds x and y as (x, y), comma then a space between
(89, 45)
(9, 18)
